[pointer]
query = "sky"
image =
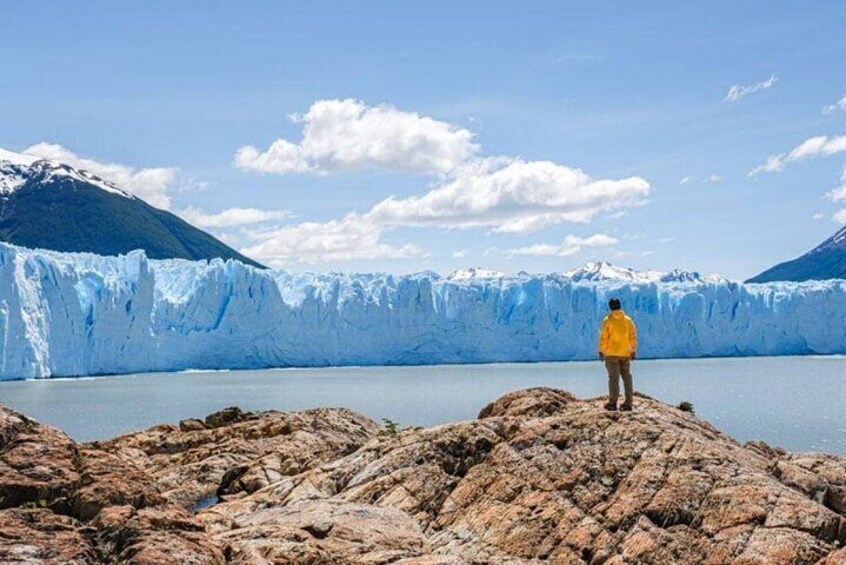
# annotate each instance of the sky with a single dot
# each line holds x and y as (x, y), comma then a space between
(410, 136)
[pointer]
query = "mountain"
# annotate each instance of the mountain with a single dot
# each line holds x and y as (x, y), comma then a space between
(602, 271)
(66, 314)
(593, 271)
(50, 205)
(825, 261)
(474, 273)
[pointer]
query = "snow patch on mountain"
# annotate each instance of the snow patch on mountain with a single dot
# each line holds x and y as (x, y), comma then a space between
(603, 271)
(17, 168)
(474, 273)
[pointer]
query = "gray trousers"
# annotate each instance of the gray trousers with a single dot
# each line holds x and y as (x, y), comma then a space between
(619, 367)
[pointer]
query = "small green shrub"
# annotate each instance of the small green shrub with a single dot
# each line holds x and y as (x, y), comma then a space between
(391, 427)
(686, 406)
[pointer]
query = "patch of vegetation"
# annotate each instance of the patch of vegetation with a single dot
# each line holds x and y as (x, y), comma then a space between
(391, 427)
(686, 406)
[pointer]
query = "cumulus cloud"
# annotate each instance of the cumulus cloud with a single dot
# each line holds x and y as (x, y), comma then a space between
(151, 184)
(738, 91)
(512, 196)
(502, 194)
(348, 135)
(821, 145)
(837, 106)
(460, 254)
(570, 246)
(351, 237)
(231, 217)
(840, 217)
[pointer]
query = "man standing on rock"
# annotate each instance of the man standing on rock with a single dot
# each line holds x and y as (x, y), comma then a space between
(618, 348)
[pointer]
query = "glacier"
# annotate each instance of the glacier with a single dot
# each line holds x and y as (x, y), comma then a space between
(72, 314)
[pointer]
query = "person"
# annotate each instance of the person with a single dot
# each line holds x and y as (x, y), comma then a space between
(618, 348)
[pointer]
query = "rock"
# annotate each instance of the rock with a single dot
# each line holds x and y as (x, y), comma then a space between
(249, 452)
(37, 463)
(165, 534)
(534, 402)
(38, 535)
(224, 417)
(324, 531)
(539, 477)
(191, 425)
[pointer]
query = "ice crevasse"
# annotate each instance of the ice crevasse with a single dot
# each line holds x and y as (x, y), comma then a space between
(69, 314)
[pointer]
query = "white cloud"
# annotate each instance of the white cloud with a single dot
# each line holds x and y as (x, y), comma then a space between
(840, 217)
(231, 217)
(352, 237)
(512, 196)
(570, 246)
(738, 91)
(838, 194)
(832, 108)
(692, 179)
(502, 194)
(505, 195)
(666, 240)
(461, 254)
(818, 216)
(151, 184)
(347, 135)
(812, 147)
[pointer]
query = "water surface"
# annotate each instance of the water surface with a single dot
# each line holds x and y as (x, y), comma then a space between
(793, 402)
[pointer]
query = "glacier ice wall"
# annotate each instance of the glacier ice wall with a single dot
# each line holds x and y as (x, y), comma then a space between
(79, 314)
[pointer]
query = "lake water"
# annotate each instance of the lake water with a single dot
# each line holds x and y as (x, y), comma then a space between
(793, 402)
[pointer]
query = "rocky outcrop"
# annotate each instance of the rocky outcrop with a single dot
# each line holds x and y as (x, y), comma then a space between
(539, 477)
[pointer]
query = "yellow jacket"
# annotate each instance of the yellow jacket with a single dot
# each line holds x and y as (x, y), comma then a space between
(618, 336)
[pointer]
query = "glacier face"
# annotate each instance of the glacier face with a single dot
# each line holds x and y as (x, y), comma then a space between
(79, 314)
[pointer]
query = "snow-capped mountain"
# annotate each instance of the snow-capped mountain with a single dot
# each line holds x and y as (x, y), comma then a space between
(825, 261)
(50, 205)
(603, 271)
(594, 271)
(83, 314)
(474, 273)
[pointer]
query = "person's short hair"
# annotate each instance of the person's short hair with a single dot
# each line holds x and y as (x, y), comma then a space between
(614, 304)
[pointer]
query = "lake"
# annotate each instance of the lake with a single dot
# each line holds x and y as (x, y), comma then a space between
(793, 402)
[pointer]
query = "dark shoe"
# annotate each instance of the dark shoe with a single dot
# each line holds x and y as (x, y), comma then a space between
(611, 407)
(626, 407)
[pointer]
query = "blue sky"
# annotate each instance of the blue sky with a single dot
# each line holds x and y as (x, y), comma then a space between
(472, 116)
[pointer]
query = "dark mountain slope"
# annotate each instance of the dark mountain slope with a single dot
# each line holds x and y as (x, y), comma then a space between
(52, 206)
(826, 261)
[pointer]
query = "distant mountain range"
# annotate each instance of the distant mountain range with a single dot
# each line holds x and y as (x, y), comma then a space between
(49, 205)
(595, 271)
(825, 261)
